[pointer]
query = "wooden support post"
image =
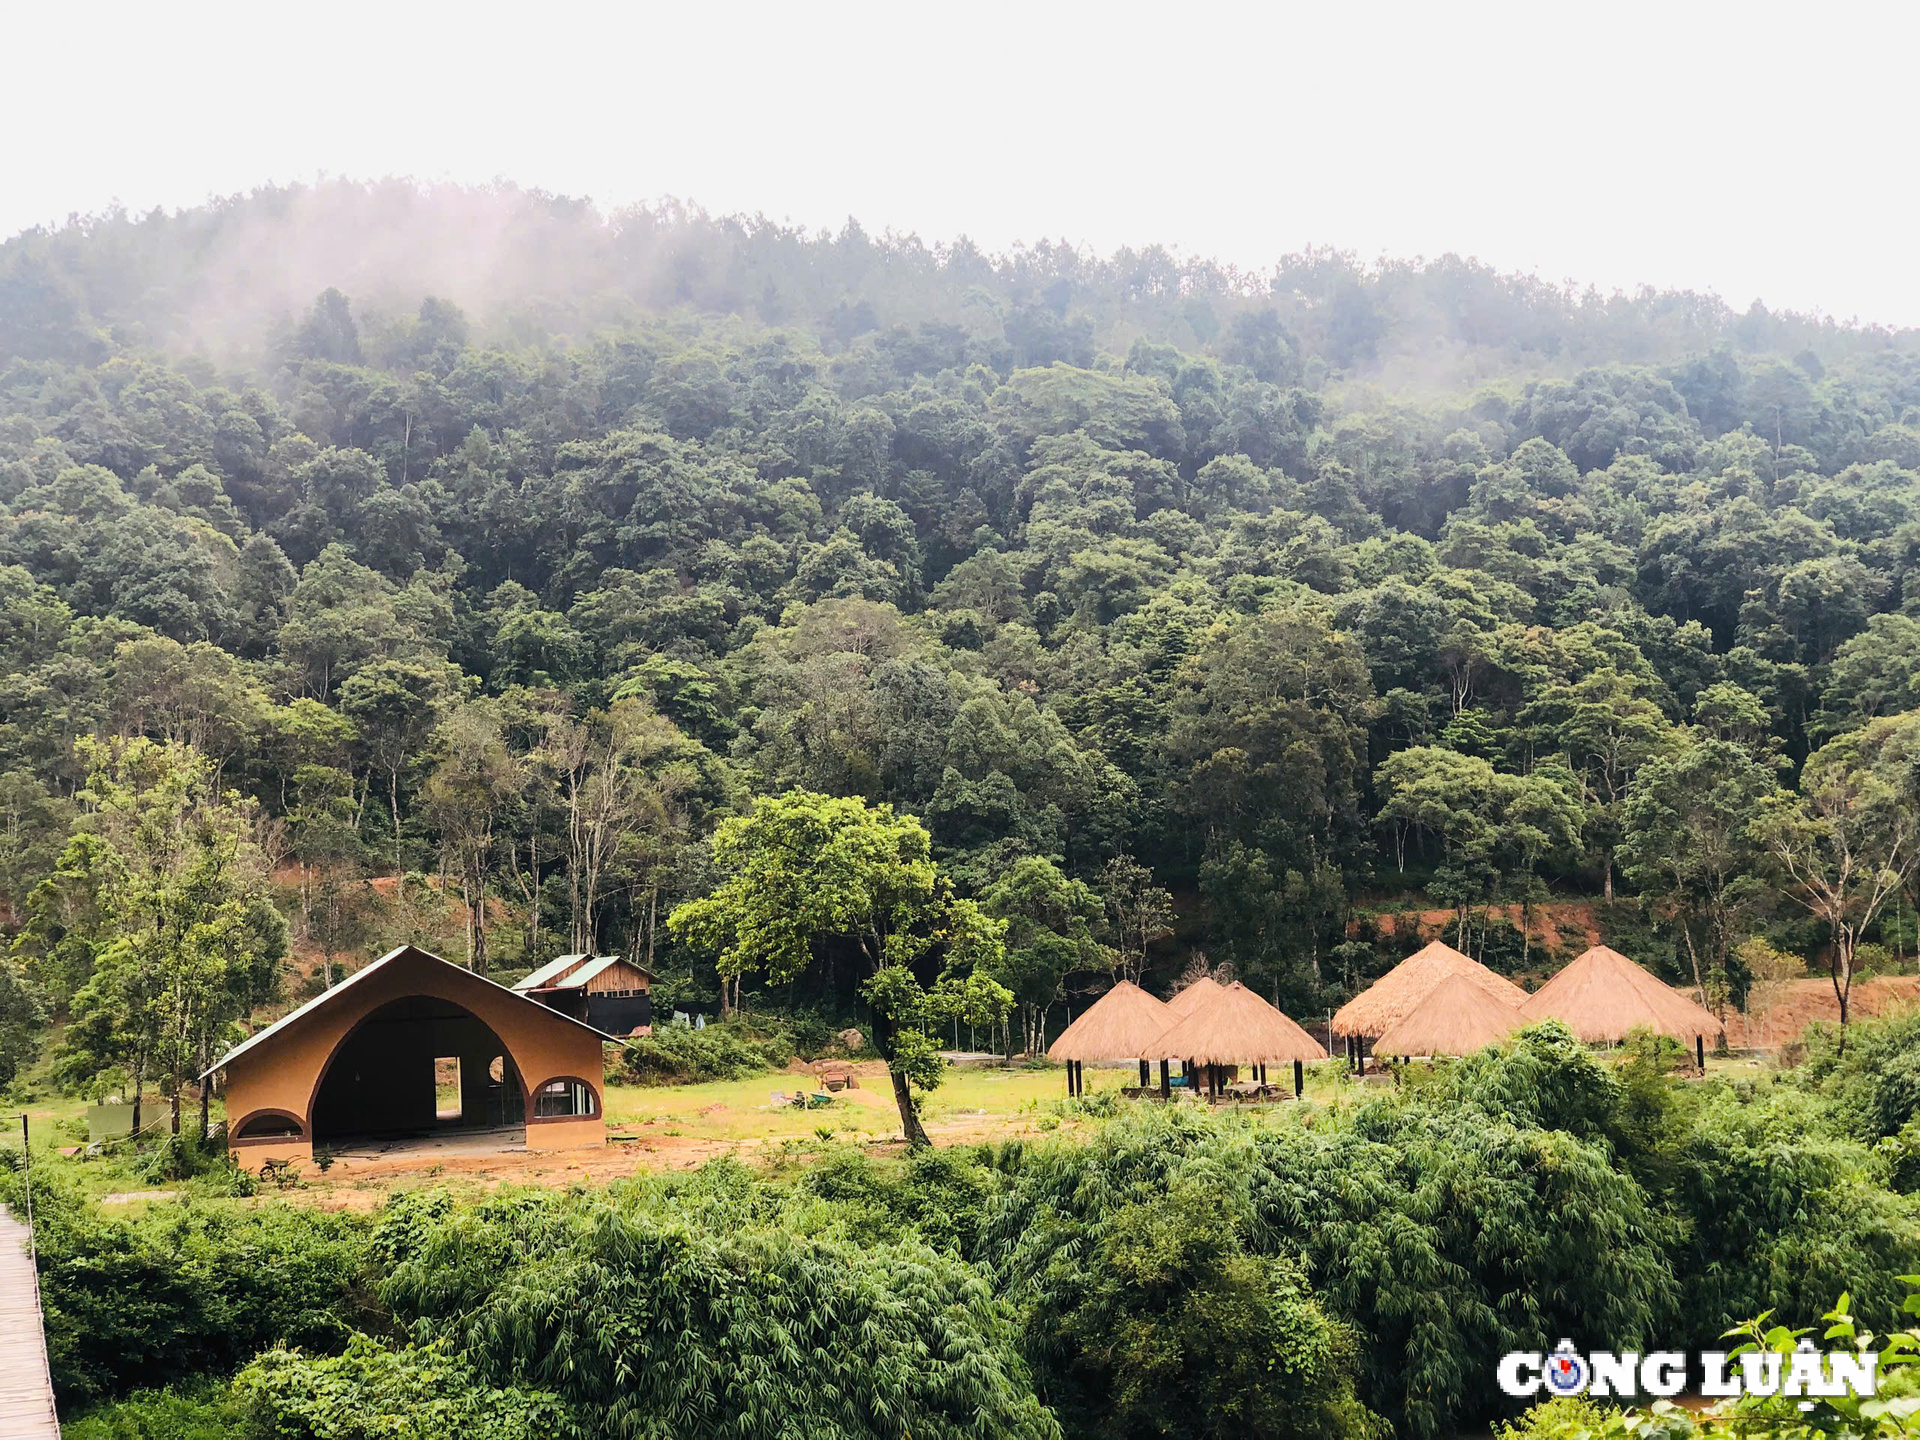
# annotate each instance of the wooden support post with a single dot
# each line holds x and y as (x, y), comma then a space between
(1069, 1079)
(1145, 1079)
(1299, 1080)
(1700, 1051)
(1166, 1081)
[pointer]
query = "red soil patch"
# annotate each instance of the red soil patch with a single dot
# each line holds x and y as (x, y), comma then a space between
(1779, 1015)
(1555, 927)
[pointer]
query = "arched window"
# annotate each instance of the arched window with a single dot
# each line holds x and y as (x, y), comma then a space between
(268, 1125)
(565, 1099)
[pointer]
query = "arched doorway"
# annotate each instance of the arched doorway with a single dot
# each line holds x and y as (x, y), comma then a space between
(417, 1066)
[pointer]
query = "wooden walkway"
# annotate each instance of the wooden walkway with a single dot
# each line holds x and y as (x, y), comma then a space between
(26, 1388)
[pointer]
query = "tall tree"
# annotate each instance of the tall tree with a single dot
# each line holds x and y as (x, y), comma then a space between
(395, 706)
(475, 780)
(1050, 922)
(1690, 847)
(1847, 843)
(807, 871)
(624, 775)
(187, 939)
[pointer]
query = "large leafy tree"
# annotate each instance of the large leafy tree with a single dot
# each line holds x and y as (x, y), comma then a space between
(1848, 842)
(805, 873)
(183, 933)
(1050, 921)
(1691, 851)
(1488, 825)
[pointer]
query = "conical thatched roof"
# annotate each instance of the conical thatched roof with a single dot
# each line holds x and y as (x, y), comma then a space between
(1121, 1025)
(1457, 1017)
(1237, 1027)
(1603, 995)
(1395, 994)
(1194, 996)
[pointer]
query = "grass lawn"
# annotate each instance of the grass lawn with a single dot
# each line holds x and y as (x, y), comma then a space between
(672, 1127)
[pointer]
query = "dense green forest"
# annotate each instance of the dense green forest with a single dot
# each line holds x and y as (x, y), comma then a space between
(385, 563)
(1173, 602)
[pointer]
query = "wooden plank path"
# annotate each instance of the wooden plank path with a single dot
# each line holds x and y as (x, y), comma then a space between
(26, 1387)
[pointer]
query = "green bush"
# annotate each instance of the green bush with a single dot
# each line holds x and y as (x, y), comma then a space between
(678, 1055)
(935, 1195)
(1461, 1238)
(1148, 1304)
(1778, 1214)
(143, 1302)
(1874, 1084)
(1582, 1419)
(204, 1414)
(371, 1393)
(657, 1327)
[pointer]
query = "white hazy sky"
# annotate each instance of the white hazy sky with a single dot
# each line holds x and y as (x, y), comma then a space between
(1751, 149)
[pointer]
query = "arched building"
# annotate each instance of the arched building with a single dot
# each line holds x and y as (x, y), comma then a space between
(410, 1046)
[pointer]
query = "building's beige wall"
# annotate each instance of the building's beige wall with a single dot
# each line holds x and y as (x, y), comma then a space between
(284, 1073)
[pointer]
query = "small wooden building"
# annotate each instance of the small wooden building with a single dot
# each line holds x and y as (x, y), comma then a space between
(607, 992)
(413, 1046)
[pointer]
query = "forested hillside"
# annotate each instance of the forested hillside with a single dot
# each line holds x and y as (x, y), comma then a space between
(477, 538)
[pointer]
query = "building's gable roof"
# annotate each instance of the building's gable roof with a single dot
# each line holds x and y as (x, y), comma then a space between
(550, 973)
(604, 963)
(327, 997)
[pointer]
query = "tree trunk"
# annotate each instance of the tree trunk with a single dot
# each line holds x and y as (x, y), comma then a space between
(173, 1108)
(1699, 983)
(139, 1084)
(910, 1125)
(393, 808)
(1842, 981)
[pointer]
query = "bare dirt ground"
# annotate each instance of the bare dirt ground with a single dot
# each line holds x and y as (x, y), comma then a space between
(1778, 1018)
(705, 1123)
(1554, 926)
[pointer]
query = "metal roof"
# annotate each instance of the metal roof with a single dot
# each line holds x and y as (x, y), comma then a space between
(548, 973)
(592, 968)
(326, 997)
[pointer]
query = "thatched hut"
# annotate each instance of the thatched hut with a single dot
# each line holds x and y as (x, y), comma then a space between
(1185, 1002)
(1603, 995)
(1396, 994)
(1237, 1027)
(1457, 1017)
(1122, 1024)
